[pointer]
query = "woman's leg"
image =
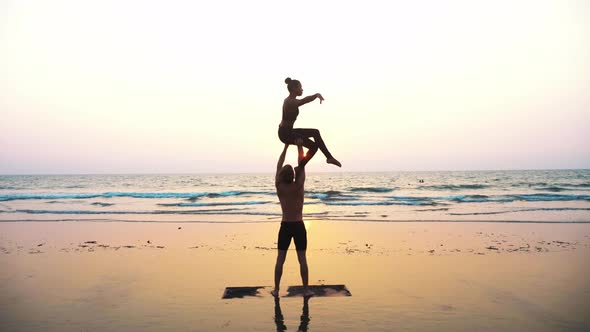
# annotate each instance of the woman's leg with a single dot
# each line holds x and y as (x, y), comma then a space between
(317, 138)
(288, 136)
(318, 141)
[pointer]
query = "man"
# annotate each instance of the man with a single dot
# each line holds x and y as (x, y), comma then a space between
(289, 183)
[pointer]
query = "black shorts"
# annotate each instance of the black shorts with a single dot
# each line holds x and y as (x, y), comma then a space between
(295, 230)
(288, 135)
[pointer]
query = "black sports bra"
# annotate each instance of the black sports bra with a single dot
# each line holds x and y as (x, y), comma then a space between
(290, 116)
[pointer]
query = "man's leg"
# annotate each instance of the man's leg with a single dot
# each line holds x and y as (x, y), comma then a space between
(304, 271)
(300, 238)
(304, 315)
(281, 255)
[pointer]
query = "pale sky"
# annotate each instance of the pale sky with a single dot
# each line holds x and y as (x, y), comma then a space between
(197, 86)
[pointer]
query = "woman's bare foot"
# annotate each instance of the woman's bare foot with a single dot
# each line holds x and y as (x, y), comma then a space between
(333, 161)
(275, 292)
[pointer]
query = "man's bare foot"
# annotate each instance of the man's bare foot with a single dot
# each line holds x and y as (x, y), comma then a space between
(333, 161)
(275, 292)
(307, 292)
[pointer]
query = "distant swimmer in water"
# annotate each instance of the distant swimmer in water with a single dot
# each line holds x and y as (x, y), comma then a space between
(288, 134)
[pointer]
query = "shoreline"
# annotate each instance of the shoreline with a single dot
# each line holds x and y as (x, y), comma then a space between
(326, 235)
(368, 221)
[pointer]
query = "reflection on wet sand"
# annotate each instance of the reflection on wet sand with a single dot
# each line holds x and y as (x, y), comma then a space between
(145, 288)
(280, 321)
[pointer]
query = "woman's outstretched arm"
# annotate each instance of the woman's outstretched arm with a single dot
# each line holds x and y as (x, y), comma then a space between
(308, 99)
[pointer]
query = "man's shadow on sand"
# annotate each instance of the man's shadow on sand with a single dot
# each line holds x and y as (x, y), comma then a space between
(280, 322)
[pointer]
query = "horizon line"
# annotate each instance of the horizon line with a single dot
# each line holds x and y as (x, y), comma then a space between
(322, 172)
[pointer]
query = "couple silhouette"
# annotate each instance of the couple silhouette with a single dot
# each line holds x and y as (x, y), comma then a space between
(289, 182)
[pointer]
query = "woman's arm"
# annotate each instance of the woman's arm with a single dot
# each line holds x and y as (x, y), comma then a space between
(308, 99)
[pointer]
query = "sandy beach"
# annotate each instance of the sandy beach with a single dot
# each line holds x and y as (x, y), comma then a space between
(436, 276)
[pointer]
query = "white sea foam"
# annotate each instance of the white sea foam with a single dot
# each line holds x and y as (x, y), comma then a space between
(557, 195)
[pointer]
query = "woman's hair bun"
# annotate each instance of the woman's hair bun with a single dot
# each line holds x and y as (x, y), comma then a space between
(288, 80)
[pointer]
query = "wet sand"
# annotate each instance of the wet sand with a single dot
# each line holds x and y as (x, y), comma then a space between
(135, 276)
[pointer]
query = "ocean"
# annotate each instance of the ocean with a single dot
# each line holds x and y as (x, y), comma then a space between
(455, 196)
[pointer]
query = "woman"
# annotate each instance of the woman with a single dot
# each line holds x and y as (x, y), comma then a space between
(289, 135)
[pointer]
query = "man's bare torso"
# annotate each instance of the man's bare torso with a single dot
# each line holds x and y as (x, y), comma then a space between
(291, 198)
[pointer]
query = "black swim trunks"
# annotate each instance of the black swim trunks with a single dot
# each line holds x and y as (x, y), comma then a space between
(295, 230)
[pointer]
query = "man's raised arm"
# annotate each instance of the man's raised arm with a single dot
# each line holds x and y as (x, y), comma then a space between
(302, 161)
(305, 158)
(281, 162)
